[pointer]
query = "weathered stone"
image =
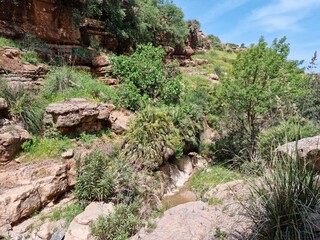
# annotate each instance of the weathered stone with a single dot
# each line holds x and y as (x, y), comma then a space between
(58, 236)
(24, 189)
(214, 77)
(200, 61)
(68, 153)
(189, 221)
(185, 165)
(100, 61)
(77, 115)
(3, 104)
(306, 150)
(79, 228)
(11, 138)
(120, 120)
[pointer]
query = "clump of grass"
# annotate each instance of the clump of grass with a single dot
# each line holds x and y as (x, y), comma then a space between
(5, 42)
(64, 83)
(30, 57)
(285, 201)
(68, 213)
(24, 106)
(208, 178)
(43, 148)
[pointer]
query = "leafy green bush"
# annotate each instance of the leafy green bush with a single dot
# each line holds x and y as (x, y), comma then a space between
(284, 203)
(24, 105)
(263, 81)
(144, 76)
(64, 83)
(30, 57)
(110, 178)
(124, 223)
(188, 119)
(94, 181)
(291, 130)
(150, 134)
(309, 106)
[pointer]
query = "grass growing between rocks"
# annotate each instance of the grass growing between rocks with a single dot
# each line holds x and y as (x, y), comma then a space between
(285, 203)
(68, 213)
(208, 178)
(42, 148)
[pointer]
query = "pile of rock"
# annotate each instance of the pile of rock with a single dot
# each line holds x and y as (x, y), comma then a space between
(101, 67)
(27, 75)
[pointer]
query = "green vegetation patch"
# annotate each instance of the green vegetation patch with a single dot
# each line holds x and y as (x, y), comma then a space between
(39, 148)
(206, 179)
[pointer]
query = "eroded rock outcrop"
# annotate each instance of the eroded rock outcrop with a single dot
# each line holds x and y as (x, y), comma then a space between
(101, 67)
(50, 20)
(27, 188)
(11, 138)
(77, 115)
(17, 73)
(307, 150)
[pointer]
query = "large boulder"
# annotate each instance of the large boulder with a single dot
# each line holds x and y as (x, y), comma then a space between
(77, 115)
(120, 120)
(25, 189)
(11, 138)
(79, 228)
(306, 150)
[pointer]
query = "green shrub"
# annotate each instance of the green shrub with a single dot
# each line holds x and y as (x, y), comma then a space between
(283, 204)
(24, 106)
(124, 223)
(145, 76)
(151, 132)
(291, 130)
(94, 181)
(30, 57)
(188, 119)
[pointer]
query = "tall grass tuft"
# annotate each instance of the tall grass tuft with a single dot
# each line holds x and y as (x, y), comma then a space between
(24, 106)
(285, 201)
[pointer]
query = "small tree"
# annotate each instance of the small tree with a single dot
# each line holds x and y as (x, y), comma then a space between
(263, 80)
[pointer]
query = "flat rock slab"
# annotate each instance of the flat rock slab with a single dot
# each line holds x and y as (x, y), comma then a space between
(189, 221)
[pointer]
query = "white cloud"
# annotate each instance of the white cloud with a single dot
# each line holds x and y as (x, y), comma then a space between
(220, 9)
(283, 14)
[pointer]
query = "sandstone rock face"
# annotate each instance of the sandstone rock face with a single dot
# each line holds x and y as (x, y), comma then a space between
(49, 20)
(25, 189)
(200, 221)
(79, 228)
(190, 221)
(101, 67)
(77, 115)
(20, 74)
(307, 149)
(11, 138)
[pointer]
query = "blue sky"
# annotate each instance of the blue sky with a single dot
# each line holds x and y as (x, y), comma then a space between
(244, 21)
